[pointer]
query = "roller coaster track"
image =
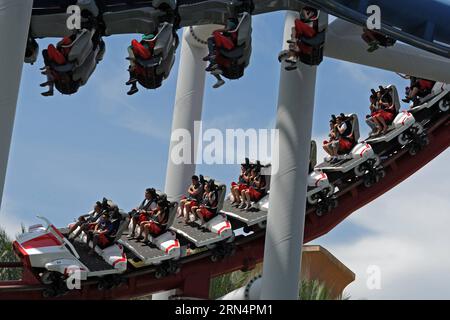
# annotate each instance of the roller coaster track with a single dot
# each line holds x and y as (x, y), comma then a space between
(198, 269)
(353, 12)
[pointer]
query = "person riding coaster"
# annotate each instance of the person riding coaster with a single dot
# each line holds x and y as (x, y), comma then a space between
(384, 108)
(375, 39)
(206, 214)
(342, 138)
(307, 42)
(69, 65)
(144, 211)
(193, 198)
(419, 88)
(250, 192)
(153, 229)
(152, 58)
(230, 49)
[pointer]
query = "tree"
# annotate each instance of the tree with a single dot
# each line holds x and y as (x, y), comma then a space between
(7, 255)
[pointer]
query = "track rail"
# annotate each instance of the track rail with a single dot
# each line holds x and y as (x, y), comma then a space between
(198, 269)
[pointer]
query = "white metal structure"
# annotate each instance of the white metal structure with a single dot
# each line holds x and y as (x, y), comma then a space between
(285, 221)
(14, 23)
(188, 106)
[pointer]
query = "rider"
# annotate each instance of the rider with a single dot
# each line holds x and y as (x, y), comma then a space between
(88, 222)
(158, 222)
(333, 136)
(419, 88)
(241, 185)
(375, 38)
(57, 55)
(223, 38)
(195, 193)
(142, 50)
(144, 210)
(208, 206)
(345, 142)
(255, 191)
(102, 234)
(306, 26)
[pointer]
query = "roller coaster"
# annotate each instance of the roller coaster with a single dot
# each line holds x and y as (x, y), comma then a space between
(186, 257)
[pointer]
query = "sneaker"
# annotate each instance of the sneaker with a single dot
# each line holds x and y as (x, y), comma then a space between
(139, 239)
(291, 41)
(132, 91)
(218, 84)
(242, 206)
(248, 207)
(131, 236)
(290, 68)
(45, 84)
(47, 94)
(406, 100)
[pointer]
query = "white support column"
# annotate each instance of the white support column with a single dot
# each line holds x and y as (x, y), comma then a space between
(344, 43)
(14, 24)
(188, 104)
(285, 222)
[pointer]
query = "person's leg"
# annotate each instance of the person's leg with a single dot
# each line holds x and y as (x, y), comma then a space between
(84, 227)
(383, 123)
(74, 227)
(94, 243)
(146, 232)
(220, 82)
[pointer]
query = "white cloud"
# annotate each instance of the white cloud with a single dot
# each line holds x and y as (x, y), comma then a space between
(407, 238)
(9, 220)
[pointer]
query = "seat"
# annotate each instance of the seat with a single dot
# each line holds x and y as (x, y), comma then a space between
(173, 206)
(221, 190)
(355, 127)
(153, 71)
(81, 47)
(122, 227)
(395, 98)
(318, 40)
(240, 55)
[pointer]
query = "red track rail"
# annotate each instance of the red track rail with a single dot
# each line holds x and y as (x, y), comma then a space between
(194, 278)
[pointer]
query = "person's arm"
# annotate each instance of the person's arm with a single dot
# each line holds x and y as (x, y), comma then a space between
(342, 128)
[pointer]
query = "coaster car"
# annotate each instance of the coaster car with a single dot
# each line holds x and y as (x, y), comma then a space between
(361, 161)
(151, 72)
(167, 242)
(233, 62)
(403, 129)
(85, 51)
(46, 251)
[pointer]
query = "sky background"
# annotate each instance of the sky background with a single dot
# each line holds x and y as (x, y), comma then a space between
(69, 151)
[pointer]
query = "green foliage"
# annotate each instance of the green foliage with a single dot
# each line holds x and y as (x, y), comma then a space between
(7, 255)
(309, 290)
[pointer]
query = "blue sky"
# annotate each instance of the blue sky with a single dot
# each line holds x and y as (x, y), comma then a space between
(69, 151)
